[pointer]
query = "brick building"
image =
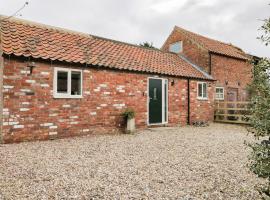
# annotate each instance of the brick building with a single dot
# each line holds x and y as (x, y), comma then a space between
(228, 64)
(60, 83)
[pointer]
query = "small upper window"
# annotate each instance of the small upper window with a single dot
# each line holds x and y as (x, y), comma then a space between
(67, 83)
(176, 47)
(219, 93)
(202, 90)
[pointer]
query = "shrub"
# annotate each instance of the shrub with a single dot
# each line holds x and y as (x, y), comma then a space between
(129, 113)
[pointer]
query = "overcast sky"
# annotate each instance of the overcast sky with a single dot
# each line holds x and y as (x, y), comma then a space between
(136, 21)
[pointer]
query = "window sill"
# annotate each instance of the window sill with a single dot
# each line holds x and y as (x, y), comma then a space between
(67, 97)
(202, 99)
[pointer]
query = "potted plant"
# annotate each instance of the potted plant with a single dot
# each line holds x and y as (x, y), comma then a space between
(129, 116)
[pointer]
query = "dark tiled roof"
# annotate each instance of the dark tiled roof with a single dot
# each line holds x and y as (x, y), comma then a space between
(28, 39)
(214, 45)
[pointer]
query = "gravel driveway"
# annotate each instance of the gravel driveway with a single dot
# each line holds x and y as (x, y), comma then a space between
(164, 163)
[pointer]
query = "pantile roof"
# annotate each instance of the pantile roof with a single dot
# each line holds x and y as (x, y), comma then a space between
(215, 46)
(29, 39)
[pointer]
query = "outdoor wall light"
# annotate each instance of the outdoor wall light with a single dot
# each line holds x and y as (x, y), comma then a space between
(226, 82)
(172, 82)
(31, 65)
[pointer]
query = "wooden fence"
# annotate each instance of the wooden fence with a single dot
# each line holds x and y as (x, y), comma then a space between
(232, 112)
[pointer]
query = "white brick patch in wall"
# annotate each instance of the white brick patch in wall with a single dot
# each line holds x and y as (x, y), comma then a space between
(25, 103)
(73, 117)
(45, 73)
(66, 106)
(97, 89)
(86, 130)
(5, 113)
(25, 90)
(103, 105)
(30, 81)
(47, 124)
(5, 109)
(86, 71)
(119, 105)
(122, 91)
(53, 127)
(103, 85)
(44, 85)
(24, 109)
(93, 113)
(8, 86)
(25, 72)
(53, 115)
(13, 123)
(18, 126)
(74, 122)
(120, 87)
(87, 92)
(52, 133)
(98, 108)
(106, 93)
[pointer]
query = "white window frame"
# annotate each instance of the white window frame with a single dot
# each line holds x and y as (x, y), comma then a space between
(181, 46)
(219, 93)
(68, 95)
(202, 97)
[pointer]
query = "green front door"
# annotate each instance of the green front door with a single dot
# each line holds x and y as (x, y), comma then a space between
(155, 101)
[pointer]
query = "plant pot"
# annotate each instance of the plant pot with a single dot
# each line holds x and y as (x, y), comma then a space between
(130, 126)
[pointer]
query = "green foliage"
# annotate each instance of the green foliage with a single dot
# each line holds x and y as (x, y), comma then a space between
(129, 113)
(260, 99)
(260, 122)
(260, 159)
(266, 32)
(260, 116)
(148, 45)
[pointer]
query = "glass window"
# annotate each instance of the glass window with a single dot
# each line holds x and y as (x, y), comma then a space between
(62, 82)
(219, 93)
(176, 47)
(202, 91)
(67, 83)
(76, 83)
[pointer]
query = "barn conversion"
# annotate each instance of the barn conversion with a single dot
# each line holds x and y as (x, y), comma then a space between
(229, 65)
(58, 83)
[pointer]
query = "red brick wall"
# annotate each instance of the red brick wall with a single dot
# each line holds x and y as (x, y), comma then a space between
(194, 52)
(238, 74)
(201, 110)
(31, 113)
(222, 68)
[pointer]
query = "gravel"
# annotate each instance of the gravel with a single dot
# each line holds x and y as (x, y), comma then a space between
(185, 163)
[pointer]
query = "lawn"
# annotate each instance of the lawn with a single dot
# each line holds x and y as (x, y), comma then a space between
(163, 163)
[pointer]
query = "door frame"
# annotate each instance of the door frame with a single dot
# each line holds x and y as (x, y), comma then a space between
(164, 121)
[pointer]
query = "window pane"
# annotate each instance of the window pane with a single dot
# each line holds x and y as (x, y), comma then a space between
(62, 82)
(200, 90)
(176, 47)
(75, 83)
(204, 90)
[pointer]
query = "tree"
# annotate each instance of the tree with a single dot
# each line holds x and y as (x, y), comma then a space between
(148, 45)
(266, 32)
(260, 116)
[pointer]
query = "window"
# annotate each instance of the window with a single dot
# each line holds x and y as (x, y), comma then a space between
(202, 90)
(219, 93)
(176, 47)
(67, 83)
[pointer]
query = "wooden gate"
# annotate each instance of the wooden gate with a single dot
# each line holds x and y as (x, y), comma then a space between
(232, 112)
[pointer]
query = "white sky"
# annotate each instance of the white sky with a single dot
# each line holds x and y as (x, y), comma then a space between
(136, 21)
